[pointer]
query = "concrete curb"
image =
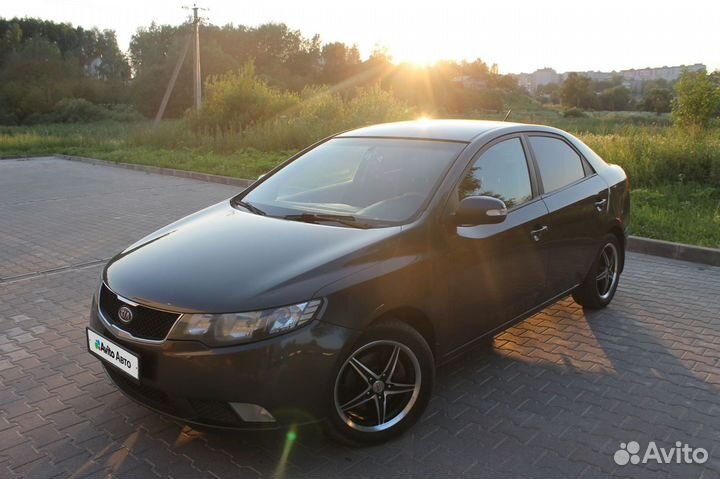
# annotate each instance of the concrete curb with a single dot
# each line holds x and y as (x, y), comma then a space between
(224, 180)
(667, 249)
(25, 157)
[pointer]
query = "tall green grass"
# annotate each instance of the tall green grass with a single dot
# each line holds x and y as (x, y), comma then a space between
(658, 155)
(651, 155)
(674, 174)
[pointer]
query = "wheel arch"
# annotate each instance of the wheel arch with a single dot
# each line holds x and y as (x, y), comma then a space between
(414, 318)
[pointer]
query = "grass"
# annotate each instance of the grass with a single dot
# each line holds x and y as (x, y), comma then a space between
(129, 143)
(594, 122)
(243, 164)
(680, 212)
(675, 175)
(660, 155)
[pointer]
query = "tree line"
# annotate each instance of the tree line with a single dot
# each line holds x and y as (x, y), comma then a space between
(658, 96)
(43, 63)
(56, 72)
(578, 91)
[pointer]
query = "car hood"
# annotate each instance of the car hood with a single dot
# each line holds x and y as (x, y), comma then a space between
(221, 260)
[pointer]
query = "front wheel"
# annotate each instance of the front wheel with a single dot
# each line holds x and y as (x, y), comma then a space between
(601, 283)
(382, 386)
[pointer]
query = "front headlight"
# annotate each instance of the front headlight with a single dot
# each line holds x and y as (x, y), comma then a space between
(235, 328)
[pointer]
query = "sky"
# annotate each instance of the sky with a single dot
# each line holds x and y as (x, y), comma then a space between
(518, 35)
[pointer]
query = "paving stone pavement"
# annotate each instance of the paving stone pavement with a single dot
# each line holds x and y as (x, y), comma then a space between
(552, 397)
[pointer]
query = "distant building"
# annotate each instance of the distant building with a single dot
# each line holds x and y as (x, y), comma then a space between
(531, 81)
(92, 68)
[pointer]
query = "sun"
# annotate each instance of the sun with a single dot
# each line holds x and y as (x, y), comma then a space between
(417, 56)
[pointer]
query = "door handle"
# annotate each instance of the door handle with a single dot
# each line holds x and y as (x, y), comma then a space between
(537, 232)
(600, 204)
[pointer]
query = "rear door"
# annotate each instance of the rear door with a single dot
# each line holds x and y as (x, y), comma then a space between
(576, 198)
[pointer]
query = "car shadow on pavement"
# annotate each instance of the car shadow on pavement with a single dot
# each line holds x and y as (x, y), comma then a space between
(559, 393)
(556, 394)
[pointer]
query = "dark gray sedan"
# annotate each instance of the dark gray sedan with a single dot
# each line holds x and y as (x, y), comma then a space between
(330, 289)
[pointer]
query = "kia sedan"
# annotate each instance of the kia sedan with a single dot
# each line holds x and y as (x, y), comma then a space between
(331, 288)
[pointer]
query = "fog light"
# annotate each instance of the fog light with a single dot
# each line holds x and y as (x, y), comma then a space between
(252, 412)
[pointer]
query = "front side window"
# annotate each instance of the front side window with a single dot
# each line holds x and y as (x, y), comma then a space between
(501, 172)
(375, 181)
(559, 164)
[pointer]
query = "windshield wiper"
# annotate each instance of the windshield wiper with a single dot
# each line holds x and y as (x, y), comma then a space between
(347, 220)
(250, 207)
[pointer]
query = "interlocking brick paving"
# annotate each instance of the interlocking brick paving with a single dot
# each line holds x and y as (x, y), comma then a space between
(553, 396)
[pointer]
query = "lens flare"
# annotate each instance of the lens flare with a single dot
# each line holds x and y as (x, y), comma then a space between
(290, 438)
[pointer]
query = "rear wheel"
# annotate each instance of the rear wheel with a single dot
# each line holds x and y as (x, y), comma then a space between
(601, 283)
(383, 385)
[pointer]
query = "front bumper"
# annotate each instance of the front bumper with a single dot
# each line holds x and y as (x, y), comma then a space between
(290, 376)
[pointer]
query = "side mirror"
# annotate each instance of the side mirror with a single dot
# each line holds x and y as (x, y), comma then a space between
(261, 176)
(480, 210)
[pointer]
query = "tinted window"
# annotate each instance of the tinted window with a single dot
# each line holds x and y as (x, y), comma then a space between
(382, 180)
(500, 172)
(559, 164)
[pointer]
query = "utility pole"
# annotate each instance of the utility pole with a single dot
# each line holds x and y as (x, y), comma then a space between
(197, 77)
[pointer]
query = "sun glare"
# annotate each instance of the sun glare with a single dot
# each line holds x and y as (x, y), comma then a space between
(417, 56)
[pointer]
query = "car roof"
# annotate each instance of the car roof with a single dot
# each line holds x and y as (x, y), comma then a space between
(452, 130)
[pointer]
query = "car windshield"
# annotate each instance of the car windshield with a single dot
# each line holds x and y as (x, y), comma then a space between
(355, 181)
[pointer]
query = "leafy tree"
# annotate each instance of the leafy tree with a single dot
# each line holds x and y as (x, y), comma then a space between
(548, 93)
(154, 52)
(151, 46)
(42, 62)
(477, 69)
(648, 85)
(601, 85)
(576, 91)
(10, 40)
(34, 78)
(339, 62)
(658, 100)
(615, 98)
(697, 100)
(102, 46)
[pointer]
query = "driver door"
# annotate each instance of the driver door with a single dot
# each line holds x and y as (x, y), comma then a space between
(496, 271)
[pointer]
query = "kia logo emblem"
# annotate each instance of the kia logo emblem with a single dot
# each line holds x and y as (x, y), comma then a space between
(125, 314)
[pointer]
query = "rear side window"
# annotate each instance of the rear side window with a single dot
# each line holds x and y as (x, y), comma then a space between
(559, 164)
(501, 172)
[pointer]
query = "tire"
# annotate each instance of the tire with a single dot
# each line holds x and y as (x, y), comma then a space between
(371, 407)
(601, 282)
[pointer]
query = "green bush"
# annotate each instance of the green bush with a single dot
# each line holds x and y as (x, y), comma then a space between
(8, 117)
(79, 110)
(321, 113)
(697, 100)
(238, 99)
(574, 113)
(240, 110)
(122, 112)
